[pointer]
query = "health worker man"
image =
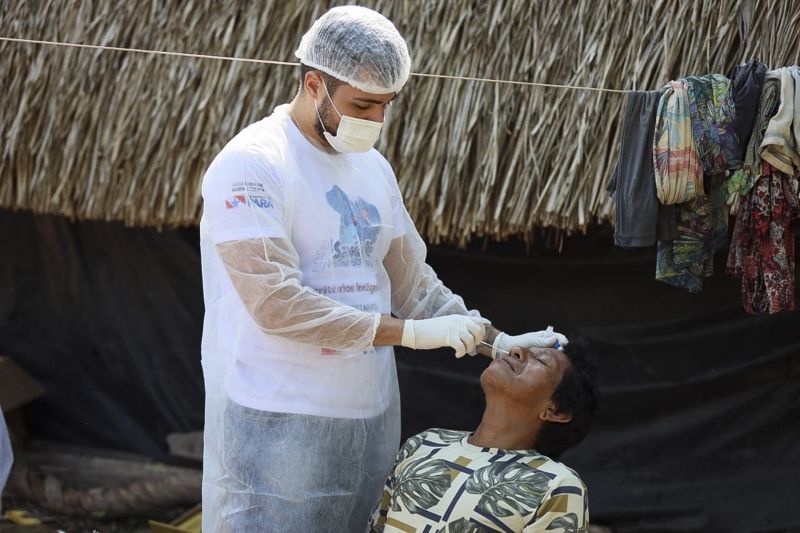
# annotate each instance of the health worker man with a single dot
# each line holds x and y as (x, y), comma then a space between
(307, 252)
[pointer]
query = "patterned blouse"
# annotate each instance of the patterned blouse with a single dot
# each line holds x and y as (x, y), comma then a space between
(442, 483)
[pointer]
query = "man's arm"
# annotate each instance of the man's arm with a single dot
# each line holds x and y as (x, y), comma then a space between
(266, 276)
(390, 331)
(417, 292)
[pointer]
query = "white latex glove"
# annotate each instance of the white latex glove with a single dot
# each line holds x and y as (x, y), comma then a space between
(460, 332)
(535, 339)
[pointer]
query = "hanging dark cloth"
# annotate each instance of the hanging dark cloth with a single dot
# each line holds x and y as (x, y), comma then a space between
(746, 82)
(632, 182)
(744, 178)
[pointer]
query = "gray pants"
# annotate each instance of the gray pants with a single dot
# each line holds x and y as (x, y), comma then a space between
(291, 472)
(638, 217)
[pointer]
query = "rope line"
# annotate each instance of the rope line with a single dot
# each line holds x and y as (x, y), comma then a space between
(294, 64)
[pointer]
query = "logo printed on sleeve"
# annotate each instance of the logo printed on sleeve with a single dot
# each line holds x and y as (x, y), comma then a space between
(240, 200)
(248, 193)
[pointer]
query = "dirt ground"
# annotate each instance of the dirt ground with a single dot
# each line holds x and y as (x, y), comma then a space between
(79, 524)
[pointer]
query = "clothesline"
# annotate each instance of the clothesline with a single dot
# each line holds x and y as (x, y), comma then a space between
(293, 64)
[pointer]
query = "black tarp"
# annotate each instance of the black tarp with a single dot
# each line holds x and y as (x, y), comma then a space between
(107, 319)
(699, 424)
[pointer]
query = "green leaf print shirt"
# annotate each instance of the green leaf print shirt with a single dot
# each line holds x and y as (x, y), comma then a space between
(443, 484)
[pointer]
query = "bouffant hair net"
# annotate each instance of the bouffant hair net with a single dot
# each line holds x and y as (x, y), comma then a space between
(357, 46)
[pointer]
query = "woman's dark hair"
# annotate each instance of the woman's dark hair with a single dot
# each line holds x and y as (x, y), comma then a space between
(577, 394)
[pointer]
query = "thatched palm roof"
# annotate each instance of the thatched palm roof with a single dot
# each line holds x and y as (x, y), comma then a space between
(116, 136)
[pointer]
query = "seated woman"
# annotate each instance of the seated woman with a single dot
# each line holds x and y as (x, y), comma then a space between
(539, 402)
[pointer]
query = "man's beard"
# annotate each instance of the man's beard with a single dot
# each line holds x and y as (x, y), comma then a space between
(326, 117)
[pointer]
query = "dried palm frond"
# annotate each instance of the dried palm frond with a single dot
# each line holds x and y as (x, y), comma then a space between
(119, 136)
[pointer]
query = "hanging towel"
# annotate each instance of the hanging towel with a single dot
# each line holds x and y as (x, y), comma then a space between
(679, 175)
(796, 123)
(779, 147)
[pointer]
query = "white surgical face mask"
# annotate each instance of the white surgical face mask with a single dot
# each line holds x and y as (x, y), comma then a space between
(354, 134)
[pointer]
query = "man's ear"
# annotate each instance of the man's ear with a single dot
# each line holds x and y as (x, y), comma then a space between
(552, 414)
(312, 84)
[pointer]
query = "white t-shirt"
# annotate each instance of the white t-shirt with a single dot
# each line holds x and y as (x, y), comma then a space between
(270, 182)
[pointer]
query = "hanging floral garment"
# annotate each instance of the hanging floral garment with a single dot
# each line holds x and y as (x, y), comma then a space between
(762, 248)
(702, 221)
(679, 175)
(702, 230)
(713, 111)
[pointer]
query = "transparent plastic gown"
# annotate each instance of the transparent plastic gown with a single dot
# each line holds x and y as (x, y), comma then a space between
(274, 322)
(6, 455)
